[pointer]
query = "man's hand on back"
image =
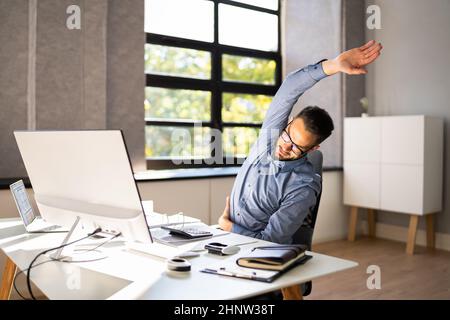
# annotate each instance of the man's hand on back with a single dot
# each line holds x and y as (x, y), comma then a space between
(224, 220)
(353, 61)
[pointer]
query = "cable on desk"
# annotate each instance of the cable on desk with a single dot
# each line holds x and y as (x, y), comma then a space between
(65, 261)
(101, 244)
(19, 273)
(30, 291)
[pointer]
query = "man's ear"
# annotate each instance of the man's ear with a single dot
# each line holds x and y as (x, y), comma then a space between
(315, 148)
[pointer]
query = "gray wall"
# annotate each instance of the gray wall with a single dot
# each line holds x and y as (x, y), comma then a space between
(320, 29)
(126, 80)
(354, 35)
(412, 75)
(84, 79)
(312, 33)
(13, 81)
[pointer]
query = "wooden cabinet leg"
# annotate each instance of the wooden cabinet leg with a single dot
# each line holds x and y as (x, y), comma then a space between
(7, 280)
(352, 224)
(430, 231)
(371, 222)
(292, 293)
(413, 221)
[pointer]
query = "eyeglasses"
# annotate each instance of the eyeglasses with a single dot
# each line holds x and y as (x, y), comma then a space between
(295, 148)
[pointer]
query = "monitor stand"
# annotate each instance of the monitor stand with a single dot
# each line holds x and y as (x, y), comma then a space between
(59, 253)
(66, 252)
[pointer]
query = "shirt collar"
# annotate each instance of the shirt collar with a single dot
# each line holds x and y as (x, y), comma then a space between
(287, 165)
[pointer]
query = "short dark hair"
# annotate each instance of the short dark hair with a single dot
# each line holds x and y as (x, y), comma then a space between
(317, 121)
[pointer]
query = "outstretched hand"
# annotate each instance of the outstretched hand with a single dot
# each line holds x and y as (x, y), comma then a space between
(354, 61)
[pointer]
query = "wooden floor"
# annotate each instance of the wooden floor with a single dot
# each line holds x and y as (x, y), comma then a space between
(425, 275)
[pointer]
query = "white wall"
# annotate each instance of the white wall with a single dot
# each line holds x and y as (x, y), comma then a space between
(412, 76)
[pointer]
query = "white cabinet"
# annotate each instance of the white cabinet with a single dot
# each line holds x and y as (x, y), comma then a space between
(386, 166)
(362, 140)
(362, 174)
(403, 139)
(394, 163)
(401, 188)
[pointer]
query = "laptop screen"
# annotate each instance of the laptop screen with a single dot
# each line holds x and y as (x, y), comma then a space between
(23, 205)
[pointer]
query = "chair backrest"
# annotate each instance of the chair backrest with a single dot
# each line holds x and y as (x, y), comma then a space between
(305, 233)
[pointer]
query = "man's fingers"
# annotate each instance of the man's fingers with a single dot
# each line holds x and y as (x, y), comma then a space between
(371, 58)
(375, 48)
(367, 45)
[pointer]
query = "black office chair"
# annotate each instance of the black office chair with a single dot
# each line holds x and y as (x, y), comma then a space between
(304, 234)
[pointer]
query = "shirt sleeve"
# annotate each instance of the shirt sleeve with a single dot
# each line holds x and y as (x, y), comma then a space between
(295, 84)
(286, 220)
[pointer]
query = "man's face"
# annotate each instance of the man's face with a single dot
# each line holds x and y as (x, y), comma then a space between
(294, 141)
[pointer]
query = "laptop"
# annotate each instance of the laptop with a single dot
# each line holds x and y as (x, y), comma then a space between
(32, 223)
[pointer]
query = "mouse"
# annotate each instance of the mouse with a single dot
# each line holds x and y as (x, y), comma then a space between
(228, 250)
(221, 249)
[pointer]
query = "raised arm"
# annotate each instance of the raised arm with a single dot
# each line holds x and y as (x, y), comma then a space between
(293, 86)
(351, 62)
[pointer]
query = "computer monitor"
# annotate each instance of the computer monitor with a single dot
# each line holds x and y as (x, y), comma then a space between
(84, 174)
(23, 205)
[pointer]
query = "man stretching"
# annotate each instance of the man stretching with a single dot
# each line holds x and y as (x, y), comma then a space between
(276, 187)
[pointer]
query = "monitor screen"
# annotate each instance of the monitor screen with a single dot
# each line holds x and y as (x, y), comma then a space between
(84, 174)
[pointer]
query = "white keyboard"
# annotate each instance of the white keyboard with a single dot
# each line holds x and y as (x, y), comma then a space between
(155, 249)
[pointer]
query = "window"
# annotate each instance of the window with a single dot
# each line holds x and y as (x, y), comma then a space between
(212, 68)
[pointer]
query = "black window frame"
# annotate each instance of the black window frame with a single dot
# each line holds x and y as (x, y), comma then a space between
(215, 85)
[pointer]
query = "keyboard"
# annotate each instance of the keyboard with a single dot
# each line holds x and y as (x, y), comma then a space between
(189, 233)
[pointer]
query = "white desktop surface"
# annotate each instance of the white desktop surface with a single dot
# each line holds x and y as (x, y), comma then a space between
(130, 275)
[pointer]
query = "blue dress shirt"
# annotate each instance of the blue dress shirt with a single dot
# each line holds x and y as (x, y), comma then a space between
(271, 199)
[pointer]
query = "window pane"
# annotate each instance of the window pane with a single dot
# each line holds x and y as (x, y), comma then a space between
(246, 69)
(167, 141)
(175, 18)
(179, 62)
(246, 108)
(177, 104)
(269, 4)
(238, 141)
(247, 28)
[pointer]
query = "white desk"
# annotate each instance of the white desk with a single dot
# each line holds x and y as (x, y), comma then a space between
(127, 275)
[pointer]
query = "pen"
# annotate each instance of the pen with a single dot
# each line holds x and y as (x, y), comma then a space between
(230, 274)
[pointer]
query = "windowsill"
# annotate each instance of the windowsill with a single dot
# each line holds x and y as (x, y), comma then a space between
(168, 175)
(200, 173)
(178, 174)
